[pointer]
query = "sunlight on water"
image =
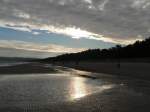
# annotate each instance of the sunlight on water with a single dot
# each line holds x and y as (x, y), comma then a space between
(51, 88)
(79, 88)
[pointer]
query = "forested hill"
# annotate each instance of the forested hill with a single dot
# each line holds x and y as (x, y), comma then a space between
(140, 49)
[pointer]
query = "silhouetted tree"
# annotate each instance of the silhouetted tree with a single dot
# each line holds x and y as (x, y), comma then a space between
(140, 49)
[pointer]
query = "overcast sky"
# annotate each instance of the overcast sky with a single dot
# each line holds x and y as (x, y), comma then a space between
(60, 26)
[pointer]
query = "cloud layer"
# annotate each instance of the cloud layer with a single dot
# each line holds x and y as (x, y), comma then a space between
(117, 21)
(52, 48)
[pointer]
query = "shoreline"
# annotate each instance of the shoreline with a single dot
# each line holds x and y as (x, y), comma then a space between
(128, 69)
(28, 68)
(32, 92)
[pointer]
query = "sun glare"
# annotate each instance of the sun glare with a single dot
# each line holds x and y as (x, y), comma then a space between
(77, 33)
(78, 88)
(70, 31)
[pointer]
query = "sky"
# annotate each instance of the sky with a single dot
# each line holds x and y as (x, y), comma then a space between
(45, 28)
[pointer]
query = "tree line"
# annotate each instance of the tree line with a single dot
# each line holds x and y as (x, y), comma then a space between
(140, 49)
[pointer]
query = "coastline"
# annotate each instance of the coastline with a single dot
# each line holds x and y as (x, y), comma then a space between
(28, 68)
(137, 70)
(128, 69)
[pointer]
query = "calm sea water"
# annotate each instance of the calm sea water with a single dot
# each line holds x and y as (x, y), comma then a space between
(43, 89)
(56, 92)
(10, 63)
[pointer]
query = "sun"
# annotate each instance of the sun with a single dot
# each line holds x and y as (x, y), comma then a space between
(77, 32)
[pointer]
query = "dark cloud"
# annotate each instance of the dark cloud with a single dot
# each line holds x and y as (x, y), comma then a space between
(114, 19)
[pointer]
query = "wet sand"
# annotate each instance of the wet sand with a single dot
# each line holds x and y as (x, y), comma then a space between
(27, 69)
(128, 69)
(35, 92)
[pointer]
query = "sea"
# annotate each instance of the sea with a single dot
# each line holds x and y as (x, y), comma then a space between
(5, 63)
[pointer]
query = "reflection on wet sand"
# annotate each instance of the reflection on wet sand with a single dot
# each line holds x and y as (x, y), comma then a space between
(79, 88)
